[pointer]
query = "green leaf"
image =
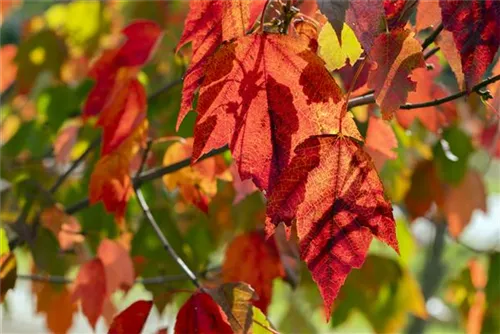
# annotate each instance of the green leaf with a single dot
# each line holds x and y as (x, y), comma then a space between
(43, 51)
(46, 254)
(260, 324)
(451, 155)
(56, 104)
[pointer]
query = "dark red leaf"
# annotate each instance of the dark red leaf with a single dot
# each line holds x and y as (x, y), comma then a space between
(475, 25)
(201, 314)
(132, 319)
(332, 190)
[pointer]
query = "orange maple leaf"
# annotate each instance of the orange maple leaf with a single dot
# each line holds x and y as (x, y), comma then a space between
(118, 266)
(263, 112)
(252, 259)
(435, 117)
(197, 183)
(56, 304)
(65, 227)
(380, 141)
(110, 181)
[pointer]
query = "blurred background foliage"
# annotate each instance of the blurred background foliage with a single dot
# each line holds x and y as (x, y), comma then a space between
(46, 50)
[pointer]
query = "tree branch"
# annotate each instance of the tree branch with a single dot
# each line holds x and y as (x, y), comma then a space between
(369, 99)
(165, 88)
(432, 37)
(431, 52)
(147, 212)
(151, 175)
(74, 165)
(163, 239)
(145, 281)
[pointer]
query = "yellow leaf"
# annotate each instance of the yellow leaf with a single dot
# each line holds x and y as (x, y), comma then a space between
(334, 54)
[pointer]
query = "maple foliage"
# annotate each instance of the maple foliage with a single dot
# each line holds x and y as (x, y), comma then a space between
(201, 314)
(132, 319)
(57, 306)
(262, 117)
(313, 121)
(90, 289)
(263, 265)
(333, 191)
(225, 21)
(118, 266)
(380, 141)
(198, 183)
(395, 56)
(365, 18)
(475, 34)
(433, 118)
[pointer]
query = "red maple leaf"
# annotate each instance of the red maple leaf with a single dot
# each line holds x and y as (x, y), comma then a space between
(397, 12)
(201, 314)
(90, 288)
(207, 25)
(333, 193)
(252, 259)
(475, 26)
(262, 111)
(396, 55)
(141, 38)
(132, 319)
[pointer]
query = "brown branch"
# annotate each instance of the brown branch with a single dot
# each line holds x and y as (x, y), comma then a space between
(150, 175)
(164, 240)
(145, 281)
(369, 99)
(74, 165)
(431, 52)
(432, 37)
(164, 89)
(152, 221)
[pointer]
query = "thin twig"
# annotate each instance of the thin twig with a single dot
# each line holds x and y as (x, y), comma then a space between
(163, 239)
(147, 212)
(164, 89)
(428, 41)
(95, 143)
(144, 157)
(145, 281)
(150, 175)
(431, 52)
(369, 99)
